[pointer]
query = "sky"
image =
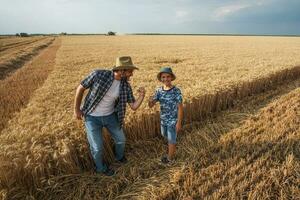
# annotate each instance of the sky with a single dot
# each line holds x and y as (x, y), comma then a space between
(277, 17)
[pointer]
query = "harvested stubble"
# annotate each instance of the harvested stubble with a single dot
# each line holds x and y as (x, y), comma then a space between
(59, 143)
(144, 178)
(259, 160)
(15, 52)
(16, 89)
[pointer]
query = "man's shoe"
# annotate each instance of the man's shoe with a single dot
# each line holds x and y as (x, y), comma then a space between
(123, 160)
(107, 172)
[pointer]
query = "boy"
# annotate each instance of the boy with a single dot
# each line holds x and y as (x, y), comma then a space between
(171, 110)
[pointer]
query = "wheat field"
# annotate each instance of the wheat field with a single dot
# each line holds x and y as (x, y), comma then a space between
(44, 151)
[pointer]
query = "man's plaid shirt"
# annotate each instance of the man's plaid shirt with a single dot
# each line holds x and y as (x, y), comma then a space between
(98, 83)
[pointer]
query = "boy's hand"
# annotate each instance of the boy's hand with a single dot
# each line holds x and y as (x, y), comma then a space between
(178, 127)
(141, 91)
(151, 101)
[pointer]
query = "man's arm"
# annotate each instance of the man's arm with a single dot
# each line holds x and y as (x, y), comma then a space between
(180, 117)
(78, 98)
(135, 105)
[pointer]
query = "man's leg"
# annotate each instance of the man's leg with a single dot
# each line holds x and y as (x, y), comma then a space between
(94, 134)
(117, 134)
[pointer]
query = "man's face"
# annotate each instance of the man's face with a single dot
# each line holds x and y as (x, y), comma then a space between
(127, 73)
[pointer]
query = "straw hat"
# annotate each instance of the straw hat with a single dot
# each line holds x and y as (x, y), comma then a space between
(124, 62)
(167, 70)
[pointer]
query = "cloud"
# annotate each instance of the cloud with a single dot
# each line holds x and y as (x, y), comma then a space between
(181, 13)
(269, 12)
(169, 16)
(222, 12)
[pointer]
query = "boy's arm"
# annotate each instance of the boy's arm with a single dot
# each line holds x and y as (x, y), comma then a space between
(151, 102)
(180, 117)
(153, 99)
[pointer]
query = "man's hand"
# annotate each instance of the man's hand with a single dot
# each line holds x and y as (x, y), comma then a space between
(141, 91)
(78, 114)
(139, 100)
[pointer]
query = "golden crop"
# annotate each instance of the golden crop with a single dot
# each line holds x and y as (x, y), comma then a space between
(42, 146)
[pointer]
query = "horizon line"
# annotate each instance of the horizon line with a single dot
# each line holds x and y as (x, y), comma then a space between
(153, 33)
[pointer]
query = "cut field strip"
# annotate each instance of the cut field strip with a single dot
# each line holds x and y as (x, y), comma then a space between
(18, 44)
(21, 54)
(15, 90)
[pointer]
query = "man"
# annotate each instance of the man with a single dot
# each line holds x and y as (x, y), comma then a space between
(105, 106)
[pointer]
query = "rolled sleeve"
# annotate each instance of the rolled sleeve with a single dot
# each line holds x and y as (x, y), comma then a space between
(130, 97)
(89, 80)
(156, 95)
(178, 97)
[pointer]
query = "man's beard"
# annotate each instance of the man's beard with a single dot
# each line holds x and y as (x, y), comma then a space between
(125, 78)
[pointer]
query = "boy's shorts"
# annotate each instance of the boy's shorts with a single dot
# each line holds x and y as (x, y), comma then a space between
(169, 132)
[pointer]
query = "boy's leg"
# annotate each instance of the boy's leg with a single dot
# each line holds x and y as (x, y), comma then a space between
(164, 133)
(171, 131)
(94, 135)
(117, 134)
(172, 150)
(163, 130)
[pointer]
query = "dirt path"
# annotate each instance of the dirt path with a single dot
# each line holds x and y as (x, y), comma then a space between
(15, 90)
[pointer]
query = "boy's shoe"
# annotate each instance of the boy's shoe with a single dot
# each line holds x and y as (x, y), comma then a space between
(107, 172)
(123, 160)
(166, 160)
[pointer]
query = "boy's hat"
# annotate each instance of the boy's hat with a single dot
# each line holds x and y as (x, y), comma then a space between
(124, 62)
(167, 70)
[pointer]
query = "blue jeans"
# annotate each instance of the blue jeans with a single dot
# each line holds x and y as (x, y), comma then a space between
(169, 132)
(94, 127)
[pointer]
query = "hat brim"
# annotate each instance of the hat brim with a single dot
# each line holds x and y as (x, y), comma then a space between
(159, 75)
(125, 67)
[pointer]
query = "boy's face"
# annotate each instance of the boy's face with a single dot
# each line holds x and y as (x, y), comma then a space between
(166, 78)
